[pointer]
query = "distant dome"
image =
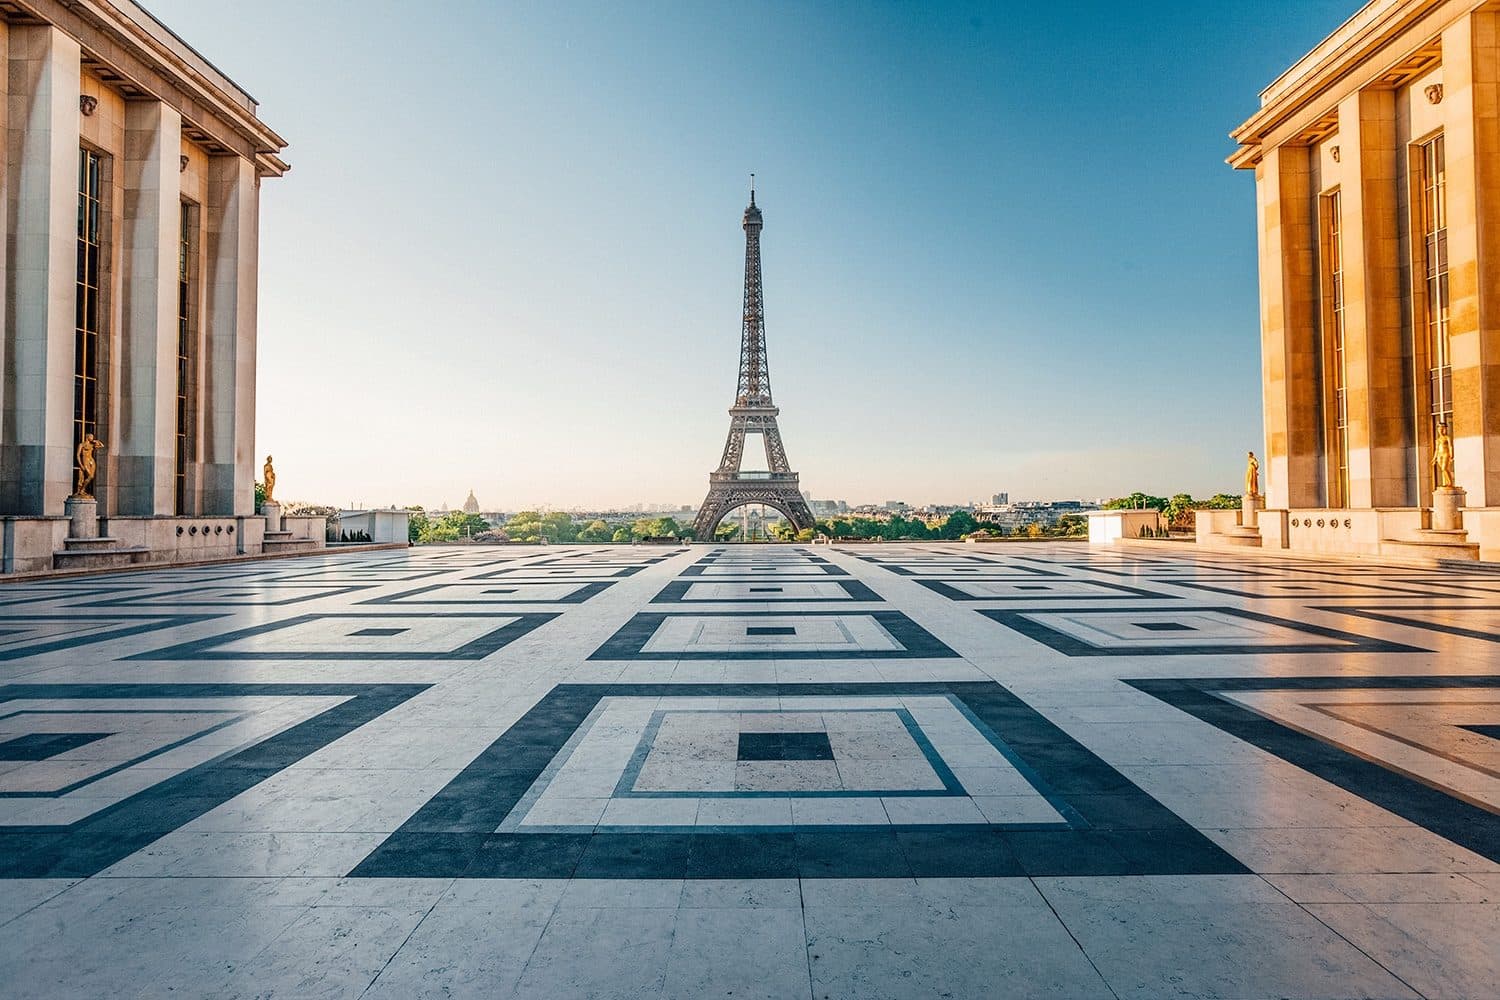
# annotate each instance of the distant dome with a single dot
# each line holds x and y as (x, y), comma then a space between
(471, 505)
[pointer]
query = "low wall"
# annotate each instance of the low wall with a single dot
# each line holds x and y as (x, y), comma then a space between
(1350, 532)
(1207, 523)
(1109, 526)
(380, 525)
(27, 543)
(1483, 526)
(305, 526)
(177, 539)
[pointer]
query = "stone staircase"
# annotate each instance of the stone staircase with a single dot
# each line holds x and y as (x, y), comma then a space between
(282, 541)
(1434, 545)
(97, 553)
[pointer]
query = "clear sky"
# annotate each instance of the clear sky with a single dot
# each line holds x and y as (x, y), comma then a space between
(1002, 249)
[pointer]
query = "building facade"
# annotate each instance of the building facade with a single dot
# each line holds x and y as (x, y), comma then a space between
(1377, 169)
(131, 185)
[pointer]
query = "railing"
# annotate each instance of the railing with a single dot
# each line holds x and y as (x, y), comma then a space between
(758, 477)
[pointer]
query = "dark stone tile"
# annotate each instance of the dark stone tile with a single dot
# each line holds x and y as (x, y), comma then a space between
(636, 855)
(748, 855)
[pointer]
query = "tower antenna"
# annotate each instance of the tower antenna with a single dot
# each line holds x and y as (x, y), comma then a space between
(752, 189)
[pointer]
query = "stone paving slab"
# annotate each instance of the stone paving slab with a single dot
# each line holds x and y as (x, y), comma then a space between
(874, 771)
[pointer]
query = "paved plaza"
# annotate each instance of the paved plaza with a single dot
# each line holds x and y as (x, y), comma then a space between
(763, 771)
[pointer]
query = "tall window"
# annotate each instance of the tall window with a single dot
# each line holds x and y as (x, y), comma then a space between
(186, 259)
(1335, 361)
(86, 324)
(1433, 209)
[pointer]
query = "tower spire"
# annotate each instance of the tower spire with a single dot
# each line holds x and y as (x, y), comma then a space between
(753, 413)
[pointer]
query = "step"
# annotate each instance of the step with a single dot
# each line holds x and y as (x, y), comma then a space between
(1438, 546)
(90, 544)
(273, 544)
(99, 558)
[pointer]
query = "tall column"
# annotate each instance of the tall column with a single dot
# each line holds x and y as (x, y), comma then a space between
(1372, 300)
(36, 454)
(7, 332)
(1288, 311)
(230, 263)
(1471, 131)
(146, 449)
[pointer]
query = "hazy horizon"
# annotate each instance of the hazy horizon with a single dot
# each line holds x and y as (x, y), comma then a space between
(1002, 250)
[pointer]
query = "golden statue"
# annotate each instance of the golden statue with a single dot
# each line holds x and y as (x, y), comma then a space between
(1252, 475)
(87, 466)
(1442, 457)
(268, 479)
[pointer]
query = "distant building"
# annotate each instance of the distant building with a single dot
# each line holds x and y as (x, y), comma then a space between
(1000, 499)
(471, 505)
(1024, 513)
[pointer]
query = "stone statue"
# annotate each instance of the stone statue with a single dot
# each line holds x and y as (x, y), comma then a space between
(268, 479)
(1252, 475)
(87, 466)
(1442, 457)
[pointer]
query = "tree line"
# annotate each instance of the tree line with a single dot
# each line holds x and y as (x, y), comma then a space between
(558, 527)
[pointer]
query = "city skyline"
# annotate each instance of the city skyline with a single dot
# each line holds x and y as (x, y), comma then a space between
(519, 268)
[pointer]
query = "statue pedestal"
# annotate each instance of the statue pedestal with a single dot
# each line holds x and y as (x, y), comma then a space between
(83, 517)
(1447, 501)
(272, 510)
(1250, 506)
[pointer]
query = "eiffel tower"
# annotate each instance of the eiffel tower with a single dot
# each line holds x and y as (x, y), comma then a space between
(752, 413)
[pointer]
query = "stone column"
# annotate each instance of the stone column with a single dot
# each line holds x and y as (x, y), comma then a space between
(83, 517)
(1251, 504)
(1372, 301)
(1288, 314)
(1471, 130)
(7, 346)
(228, 399)
(36, 453)
(1447, 508)
(272, 511)
(146, 452)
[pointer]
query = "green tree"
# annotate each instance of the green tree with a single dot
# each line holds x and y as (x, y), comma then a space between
(657, 527)
(595, 531)
(805, 535)
(1136, 501)
(727, 531)
(524, 526)
(457, 524)
(416, 523)
(437, 531)
(1070, 526)
(260, 496)
(958, 524)
(622, 534)
(559, 527)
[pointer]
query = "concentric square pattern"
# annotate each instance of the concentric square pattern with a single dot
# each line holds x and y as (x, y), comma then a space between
(634, 766)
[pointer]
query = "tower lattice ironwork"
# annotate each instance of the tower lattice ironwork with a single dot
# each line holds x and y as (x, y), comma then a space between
(752, 413)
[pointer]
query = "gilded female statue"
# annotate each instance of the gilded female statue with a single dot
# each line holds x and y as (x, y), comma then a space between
(1252, 475)
(268, 479)
(1442, 457)
(87, 466)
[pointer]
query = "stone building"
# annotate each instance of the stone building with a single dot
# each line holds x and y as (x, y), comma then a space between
(131, 186)
(1377, 170)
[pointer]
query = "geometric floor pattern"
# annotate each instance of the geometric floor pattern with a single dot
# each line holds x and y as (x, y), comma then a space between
(930, 769)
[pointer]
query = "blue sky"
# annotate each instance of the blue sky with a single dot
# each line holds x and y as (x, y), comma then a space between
(1002, 249)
